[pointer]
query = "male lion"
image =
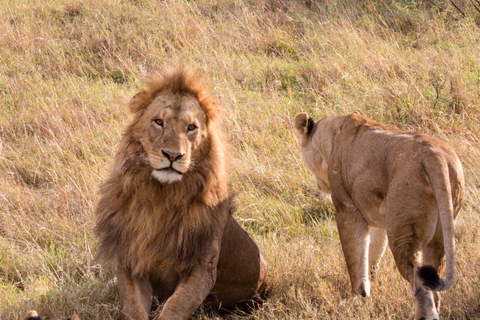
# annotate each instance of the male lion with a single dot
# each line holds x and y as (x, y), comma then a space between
(164, 215)
(384, 183)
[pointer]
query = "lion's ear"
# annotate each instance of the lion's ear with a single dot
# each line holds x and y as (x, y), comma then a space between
(138, 101)
(303, 124)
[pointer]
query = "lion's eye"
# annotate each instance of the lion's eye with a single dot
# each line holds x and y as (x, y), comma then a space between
(159, 122)
(191, 127)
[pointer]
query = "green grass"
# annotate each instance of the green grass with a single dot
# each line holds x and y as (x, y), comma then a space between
(67, 69)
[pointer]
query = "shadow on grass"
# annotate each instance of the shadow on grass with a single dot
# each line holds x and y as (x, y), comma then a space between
(313, 213)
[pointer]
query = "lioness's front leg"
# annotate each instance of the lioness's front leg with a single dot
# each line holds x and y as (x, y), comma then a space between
(378, 244)
(353, 232)
(135, 293)
(193, 288)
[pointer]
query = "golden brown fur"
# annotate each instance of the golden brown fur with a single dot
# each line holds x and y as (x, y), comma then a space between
(388, 184)
(164, 212)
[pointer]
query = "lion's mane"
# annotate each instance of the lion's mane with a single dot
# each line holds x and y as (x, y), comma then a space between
(145, 224)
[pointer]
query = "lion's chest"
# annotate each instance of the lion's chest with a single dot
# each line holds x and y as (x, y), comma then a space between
(146, 250)
(167, 241)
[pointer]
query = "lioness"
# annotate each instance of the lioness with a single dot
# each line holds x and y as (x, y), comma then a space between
(164, 214)
(388, 184)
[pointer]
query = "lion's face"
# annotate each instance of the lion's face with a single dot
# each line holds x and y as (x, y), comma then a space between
(174, 129)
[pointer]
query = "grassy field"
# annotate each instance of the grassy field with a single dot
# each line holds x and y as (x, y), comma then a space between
(67, 69)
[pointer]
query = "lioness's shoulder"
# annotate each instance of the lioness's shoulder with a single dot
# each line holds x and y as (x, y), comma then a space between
(381, 133)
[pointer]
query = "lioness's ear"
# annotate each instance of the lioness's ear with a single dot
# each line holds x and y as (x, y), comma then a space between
(303, 124)
(138, 101)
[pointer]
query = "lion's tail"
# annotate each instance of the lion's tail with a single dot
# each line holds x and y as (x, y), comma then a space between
(437, 170)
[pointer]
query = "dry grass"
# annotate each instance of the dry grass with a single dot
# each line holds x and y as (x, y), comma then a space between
(67, 68)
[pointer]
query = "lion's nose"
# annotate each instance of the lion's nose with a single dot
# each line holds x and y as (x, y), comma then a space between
(172, 156)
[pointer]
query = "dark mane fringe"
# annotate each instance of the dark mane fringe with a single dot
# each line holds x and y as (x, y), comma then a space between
(177, 79)
(145, 224)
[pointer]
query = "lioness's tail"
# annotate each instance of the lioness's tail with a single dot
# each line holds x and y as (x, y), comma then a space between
(437, 170)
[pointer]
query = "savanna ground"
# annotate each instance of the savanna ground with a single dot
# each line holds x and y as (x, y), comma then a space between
(67, 69)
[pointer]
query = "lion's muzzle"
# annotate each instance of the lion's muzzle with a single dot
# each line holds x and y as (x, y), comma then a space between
(172, 156)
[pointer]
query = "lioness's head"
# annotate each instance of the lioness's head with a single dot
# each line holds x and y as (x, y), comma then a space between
(172, 119)
(316, 139)
(303, 124)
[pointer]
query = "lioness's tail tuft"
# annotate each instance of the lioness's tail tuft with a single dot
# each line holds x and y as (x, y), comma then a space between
(429, 278)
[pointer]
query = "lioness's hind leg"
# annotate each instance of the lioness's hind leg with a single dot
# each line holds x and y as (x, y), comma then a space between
(434, 254)
(407, 254)
(354, 237)
(424, 303)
